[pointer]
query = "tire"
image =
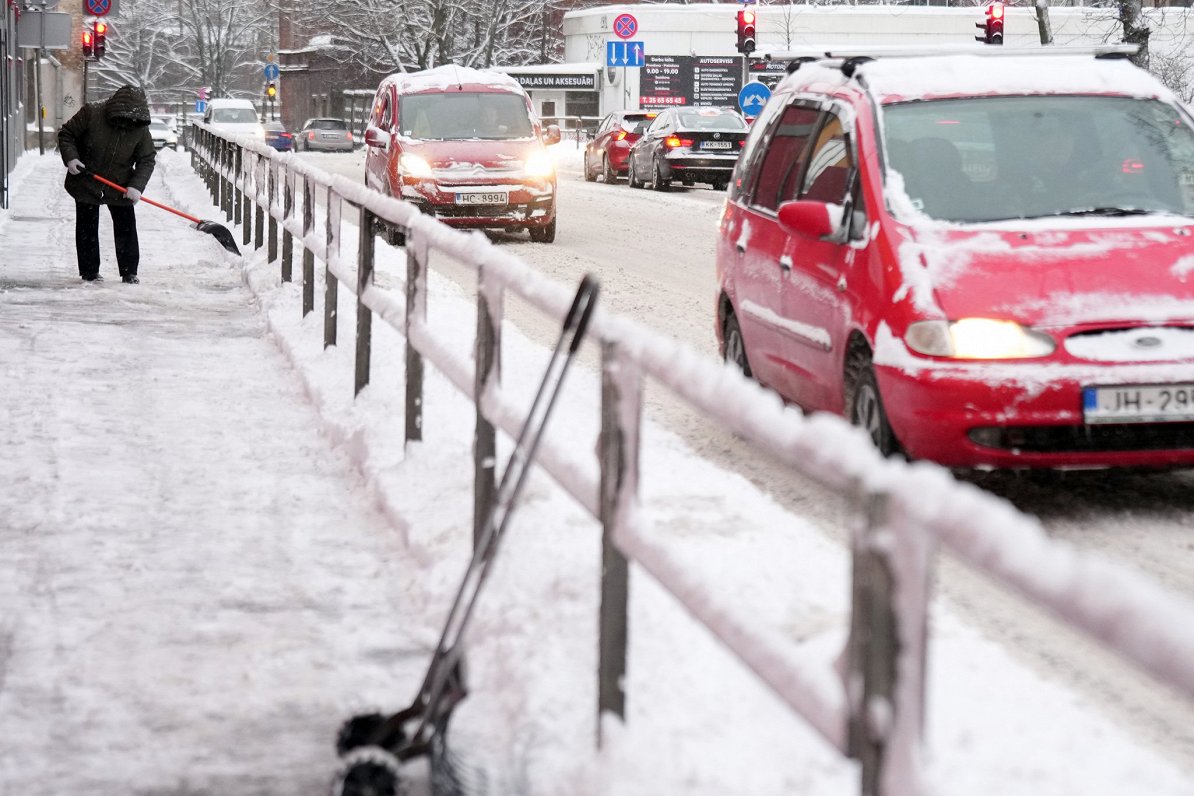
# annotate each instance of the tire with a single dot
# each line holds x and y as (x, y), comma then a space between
(369, 771)
(658, 183)
(545, 234)
(721, 185)
(733, 347)
(864, 404)
(608, 175)
(590, 175)
(631, 178)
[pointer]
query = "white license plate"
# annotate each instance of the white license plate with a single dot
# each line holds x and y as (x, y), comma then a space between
(716, 144)
(482, 198)
(1138, 403)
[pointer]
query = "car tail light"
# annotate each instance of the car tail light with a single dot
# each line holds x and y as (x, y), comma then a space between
(741, 142)
(673, 141)
(621, 136)
(1132, 166)
(310, 135)
(348, 135)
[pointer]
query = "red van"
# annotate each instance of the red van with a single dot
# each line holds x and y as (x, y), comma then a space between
(465, 146)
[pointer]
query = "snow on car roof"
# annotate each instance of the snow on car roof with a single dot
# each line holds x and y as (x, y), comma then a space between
(443, 77)
(926, 76)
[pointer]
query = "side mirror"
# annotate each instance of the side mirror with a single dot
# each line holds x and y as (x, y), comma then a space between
(374, 136)
(810, 219)
(551, 134)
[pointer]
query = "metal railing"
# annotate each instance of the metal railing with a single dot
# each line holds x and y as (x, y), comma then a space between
(905, 512)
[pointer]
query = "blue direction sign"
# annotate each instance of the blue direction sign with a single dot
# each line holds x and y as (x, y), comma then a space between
(752, 98)
(624, 53)
(271, 71)
(200, 106)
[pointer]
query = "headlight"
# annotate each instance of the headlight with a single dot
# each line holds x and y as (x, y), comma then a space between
(539, 165)
(414, 166)
(978, 338)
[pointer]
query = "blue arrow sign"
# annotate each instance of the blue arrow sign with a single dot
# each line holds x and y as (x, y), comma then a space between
(752, 98)
(624, 53)
(271, 71)
(200, 106)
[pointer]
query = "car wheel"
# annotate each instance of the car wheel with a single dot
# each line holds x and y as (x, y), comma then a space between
(545, 234)
(608, 175)
(734, 350)
(720, 185)
(590, 175)
(658, 183)
(631, 178)
(864, 404)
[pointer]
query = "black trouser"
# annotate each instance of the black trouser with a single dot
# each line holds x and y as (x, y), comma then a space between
(124, 229)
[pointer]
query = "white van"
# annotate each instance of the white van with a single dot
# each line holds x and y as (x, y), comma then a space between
(234, 117)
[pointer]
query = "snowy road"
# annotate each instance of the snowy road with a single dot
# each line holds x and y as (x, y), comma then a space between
(653, 253)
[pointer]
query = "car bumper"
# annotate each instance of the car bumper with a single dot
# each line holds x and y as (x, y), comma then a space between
(1027, 415)
(525, 206)
(326, 146)
(702, 167)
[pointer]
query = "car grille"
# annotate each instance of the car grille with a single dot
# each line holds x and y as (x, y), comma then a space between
(1088, 439)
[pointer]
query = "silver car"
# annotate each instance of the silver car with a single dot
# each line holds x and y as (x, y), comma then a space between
(324, 135)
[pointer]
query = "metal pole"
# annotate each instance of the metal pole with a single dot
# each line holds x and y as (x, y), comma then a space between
(41, 144)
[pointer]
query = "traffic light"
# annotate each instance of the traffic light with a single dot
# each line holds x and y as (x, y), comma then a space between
(101, 39)
(88, 43)
(746, 31)
(992, 27)
(271, 91)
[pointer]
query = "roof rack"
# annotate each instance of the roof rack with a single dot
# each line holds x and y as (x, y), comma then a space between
(853, 52)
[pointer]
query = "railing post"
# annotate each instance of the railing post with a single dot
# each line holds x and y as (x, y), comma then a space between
(270, 201)
(621, 415)
(886, 700)
(287, 215)
(488, 371)
(416, 310)
(227, 176)
(243, 216)
(259, 212)
(308, 255)
(364, 315)
(238, 190)
(331, 285)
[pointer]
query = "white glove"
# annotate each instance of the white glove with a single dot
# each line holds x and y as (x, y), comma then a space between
(75, 166)
(133, 194)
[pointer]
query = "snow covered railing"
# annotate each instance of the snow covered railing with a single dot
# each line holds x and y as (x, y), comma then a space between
(871, 707)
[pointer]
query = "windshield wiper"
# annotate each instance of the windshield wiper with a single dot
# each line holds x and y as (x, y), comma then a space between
(1111, 211)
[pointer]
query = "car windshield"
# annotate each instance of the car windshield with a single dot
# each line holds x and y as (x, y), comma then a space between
(709, 119)
(159, 127)
(997, 158)
(233, 115)
(327, 124)
(460, 116)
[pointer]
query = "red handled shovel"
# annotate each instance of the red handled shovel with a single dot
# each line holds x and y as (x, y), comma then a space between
(217, 231)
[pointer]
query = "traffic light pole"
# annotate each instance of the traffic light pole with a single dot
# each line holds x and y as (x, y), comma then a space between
(85, 81)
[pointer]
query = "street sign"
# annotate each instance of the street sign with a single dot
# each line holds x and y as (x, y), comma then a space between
(200, 106)
(49, 30)
(98, 8)
(752, 98)
(625, 26)
(271, 71)
(624, 53)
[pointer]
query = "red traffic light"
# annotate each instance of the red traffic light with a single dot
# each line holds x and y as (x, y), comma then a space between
(748, 17)
(101, 28)
(746, 31)
(995, 11)
(88, 44)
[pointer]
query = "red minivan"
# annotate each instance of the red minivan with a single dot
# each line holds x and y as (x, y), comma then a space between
(984, 261)
(465, 146)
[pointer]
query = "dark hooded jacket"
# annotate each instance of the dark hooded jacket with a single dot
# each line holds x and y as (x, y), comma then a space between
(112, 139)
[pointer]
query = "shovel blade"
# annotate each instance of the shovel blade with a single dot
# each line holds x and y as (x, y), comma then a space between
(220, 233)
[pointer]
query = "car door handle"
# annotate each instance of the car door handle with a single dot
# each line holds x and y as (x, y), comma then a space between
(740, 245)
(785, 263)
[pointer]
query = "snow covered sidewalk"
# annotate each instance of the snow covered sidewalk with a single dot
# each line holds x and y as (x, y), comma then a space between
(192, 582)
(211, 554)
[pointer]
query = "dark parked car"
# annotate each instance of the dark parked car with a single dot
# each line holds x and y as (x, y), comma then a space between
(606, 154)
(277, 137)
(687, 145)
(324, 135)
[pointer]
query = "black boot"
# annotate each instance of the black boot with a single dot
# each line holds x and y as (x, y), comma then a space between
(130, 279)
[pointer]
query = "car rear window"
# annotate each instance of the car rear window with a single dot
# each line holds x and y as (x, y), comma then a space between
(234, 115)
(636, 123)
(710, 119)
(462, 116)
(328, 124)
